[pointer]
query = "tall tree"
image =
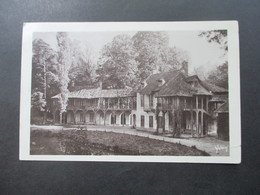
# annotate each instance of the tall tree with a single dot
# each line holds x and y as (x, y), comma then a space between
(43, 62)
(151, 50)
(82, 71)
(155, 55)
(219, 76)
(65, 55)
(117, 65)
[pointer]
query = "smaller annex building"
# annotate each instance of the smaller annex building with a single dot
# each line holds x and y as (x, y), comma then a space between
(97, 106)
(166, 102)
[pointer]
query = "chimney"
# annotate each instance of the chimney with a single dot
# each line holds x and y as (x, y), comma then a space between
(184, 68)
(100, 84)
(156, 70)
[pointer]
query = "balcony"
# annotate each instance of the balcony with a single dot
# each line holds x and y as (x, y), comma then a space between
(149, 108)
(124, 107)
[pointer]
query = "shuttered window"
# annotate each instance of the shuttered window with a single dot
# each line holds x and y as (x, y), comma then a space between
(142, 121)
(151, 121)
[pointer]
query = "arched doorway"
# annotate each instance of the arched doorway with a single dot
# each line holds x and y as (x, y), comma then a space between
(123, 119)
(112, 118)
(57, 116)
(90, 117)
(70, 116)
(64, 118)
(79, 117)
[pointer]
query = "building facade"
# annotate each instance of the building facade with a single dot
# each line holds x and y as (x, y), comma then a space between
(97, 106)
(166, 102)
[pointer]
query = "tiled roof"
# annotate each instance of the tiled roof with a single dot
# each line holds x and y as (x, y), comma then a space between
(177, 86)
(219, 98)
(153, 84)
(223, 108)
(213, 88)
(192, 78)
(100, 93)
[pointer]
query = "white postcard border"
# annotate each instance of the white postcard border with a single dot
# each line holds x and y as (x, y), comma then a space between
(233, 72)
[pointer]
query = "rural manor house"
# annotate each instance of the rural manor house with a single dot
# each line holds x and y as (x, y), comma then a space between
(166, 101)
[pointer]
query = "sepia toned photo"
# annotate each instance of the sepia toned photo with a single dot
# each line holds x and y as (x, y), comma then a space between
(131, 91)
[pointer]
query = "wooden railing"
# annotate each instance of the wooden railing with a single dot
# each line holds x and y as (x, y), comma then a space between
(130, 106)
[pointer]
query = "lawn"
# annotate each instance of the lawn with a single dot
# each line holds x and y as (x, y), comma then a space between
(76, 142)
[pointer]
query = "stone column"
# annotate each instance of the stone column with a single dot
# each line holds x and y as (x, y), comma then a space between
(207, 103)
(163, 122)
(197, 116)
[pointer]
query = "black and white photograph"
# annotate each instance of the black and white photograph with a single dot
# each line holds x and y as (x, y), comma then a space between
(131, 91)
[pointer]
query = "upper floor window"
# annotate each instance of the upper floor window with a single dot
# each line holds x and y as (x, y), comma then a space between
(142, 100)
(81, 102)
(151, 100)
(71, 101)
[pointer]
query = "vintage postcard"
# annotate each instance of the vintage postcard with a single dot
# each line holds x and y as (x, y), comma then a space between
(131, 92)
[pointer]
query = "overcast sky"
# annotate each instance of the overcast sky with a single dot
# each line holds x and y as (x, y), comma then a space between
(201, 53)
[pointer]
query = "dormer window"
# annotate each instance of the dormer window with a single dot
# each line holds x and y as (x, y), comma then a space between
(194, 84)
(161, 82)
(143, 83)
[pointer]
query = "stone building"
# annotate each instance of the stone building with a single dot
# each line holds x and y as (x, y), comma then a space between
(97, 106)
(166, 102)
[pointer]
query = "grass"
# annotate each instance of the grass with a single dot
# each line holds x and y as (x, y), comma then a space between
(75, 142)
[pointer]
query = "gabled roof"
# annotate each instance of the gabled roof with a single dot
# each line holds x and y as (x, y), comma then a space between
(192, 78)
(213, 88)
(153, 84)
(177, 86)
(223, 108)
(100, 93)
(219, 98)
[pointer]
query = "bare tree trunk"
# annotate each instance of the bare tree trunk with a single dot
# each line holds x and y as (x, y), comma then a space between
(44, 117)
(44, 92)
(60, 117)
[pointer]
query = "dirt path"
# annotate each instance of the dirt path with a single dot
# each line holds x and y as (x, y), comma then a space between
(211, 145)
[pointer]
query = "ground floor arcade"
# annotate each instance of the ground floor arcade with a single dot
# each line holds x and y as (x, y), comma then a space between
(195, 122)
(97, 117)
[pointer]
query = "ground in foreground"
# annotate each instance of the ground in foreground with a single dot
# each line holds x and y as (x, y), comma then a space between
(76, 142)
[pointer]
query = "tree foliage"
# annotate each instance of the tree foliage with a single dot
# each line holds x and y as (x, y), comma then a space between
(219, 76)
(38, 102)
(64, 62)
(44, 78)
(126, 61)
(217, 36)
(117, 64)
(82, 72)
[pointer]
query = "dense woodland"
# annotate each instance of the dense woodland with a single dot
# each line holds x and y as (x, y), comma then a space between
(123, 63)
